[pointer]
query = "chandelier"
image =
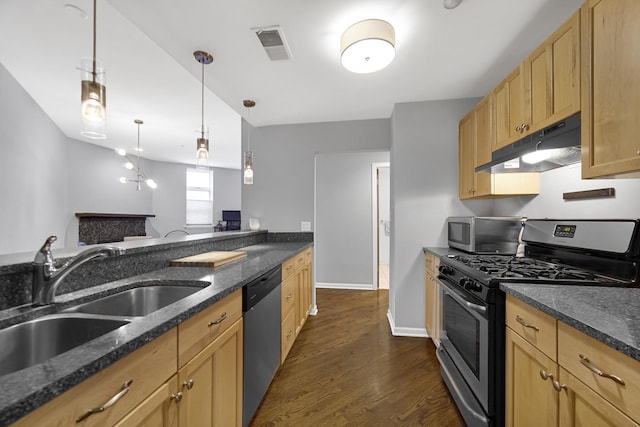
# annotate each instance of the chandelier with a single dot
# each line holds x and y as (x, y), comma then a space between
(140, 176)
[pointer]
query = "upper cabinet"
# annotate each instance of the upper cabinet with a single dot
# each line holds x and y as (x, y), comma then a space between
(543, 89)
(610, 87)
(476, 137)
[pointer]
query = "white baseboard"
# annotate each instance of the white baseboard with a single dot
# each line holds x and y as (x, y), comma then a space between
(354, 286)
(405, 332)
(314, 310)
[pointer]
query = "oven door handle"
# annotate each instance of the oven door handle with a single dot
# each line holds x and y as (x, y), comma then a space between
(470, 305)
(481, 417)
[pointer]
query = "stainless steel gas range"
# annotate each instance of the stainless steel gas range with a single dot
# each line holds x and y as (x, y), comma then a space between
(563, 252)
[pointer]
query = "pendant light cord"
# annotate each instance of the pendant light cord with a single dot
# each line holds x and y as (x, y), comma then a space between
(94, 40)
(202, 119)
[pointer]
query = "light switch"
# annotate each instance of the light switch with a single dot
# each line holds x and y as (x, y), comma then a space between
(305, 226)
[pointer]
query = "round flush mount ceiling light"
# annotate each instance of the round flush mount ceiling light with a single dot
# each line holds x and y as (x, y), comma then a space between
(451, 4)
(368, 46)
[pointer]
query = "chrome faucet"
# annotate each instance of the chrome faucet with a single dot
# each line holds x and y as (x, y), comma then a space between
(47, 276)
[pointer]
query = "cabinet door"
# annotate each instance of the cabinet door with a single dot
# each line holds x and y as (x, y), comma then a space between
(610, 87)
(300, 302)
(530, 399)
(581, 406)
(158, 410)
(511, 110)
(484, 137)
(466, 156)
(553, 76)
(211, 383)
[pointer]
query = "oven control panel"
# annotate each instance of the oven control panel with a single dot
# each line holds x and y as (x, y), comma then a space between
(562, 230)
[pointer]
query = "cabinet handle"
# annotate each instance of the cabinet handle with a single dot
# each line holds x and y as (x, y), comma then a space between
(289, 334)
(545, 375)
(109, 403)
(289, 296)
(518, 128)
(177, 397)
(559, 387)
(525, 324)
(188, 384)
(586, 362)
(289, 268)
(220, 320)
(524, 127)
(638, 152)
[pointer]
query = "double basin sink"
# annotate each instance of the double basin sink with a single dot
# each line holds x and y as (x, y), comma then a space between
(35, 341)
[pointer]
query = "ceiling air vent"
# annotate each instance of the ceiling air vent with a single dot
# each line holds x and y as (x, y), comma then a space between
(274, 43)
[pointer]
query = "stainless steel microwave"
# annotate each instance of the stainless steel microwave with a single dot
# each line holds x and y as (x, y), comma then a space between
(483, 234)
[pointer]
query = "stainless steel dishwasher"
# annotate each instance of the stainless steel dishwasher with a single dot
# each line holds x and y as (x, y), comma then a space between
(261, 304)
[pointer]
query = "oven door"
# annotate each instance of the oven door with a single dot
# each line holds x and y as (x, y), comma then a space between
(465, 339)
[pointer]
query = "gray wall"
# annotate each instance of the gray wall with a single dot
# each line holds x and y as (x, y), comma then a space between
(424, 191)
(343, 232)
(282, 193)
(550, 204)
(33, 171)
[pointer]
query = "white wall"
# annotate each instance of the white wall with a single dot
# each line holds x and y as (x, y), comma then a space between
(424, 191)
(33, 172)
(550, 204)
(283, 156)
(343, 232)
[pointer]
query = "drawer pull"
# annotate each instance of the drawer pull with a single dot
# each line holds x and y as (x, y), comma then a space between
(177, 397)
(289, 334)
(559, 387)
(188, 384)
(545, 375)
(109, 403)
(586, 362)
(289, 296)
(526, 325)
(220, 320)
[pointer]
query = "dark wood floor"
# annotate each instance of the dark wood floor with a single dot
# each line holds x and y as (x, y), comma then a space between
(346, 369)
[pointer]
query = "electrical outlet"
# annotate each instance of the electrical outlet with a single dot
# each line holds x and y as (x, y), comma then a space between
(305, 226)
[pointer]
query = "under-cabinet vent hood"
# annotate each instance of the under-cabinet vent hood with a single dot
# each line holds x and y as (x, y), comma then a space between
(549, 148)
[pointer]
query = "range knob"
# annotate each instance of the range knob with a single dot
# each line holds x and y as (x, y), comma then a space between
(465, 283)
(445, 269)
(472, 285)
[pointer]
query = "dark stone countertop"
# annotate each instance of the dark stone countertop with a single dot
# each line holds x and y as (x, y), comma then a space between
(23, 391)
(441, 251)
(610, 315)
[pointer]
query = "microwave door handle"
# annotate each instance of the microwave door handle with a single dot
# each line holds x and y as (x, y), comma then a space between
(471, 306)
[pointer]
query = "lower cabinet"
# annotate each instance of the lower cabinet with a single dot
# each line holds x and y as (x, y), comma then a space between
(432, 303)
(211, 383)
(562, 388)
(159, 409)
(297, 297)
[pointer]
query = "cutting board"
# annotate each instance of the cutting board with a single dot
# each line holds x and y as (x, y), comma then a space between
(209, 259)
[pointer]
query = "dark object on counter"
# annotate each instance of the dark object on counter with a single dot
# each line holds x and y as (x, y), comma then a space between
(261, 304)
(232, 219)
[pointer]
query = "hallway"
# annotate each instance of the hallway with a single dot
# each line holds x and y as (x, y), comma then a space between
(346, 369)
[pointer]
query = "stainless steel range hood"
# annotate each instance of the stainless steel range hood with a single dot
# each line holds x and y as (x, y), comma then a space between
(550, 148)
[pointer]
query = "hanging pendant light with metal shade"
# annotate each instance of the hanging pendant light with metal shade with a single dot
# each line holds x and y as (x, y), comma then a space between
(248, 155)
(93, 93)
(202, 143)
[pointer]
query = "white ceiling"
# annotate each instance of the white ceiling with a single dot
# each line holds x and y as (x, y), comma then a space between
(147, 47)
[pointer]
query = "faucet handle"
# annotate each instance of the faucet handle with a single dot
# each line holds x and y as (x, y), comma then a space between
(44, 254)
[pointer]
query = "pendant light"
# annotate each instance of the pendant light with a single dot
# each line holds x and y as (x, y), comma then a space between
(93, 99)
(140, 176)
(248, 155)
(202, 150)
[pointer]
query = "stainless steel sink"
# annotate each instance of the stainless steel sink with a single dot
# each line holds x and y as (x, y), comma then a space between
(138, 301)
(36, 341)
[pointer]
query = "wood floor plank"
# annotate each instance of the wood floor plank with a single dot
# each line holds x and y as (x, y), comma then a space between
(346, 369)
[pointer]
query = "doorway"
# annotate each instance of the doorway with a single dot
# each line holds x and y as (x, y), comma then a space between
(381, 213)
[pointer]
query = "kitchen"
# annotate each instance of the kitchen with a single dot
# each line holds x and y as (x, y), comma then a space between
(424, 186)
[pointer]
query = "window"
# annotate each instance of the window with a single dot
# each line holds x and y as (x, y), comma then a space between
(200, 197)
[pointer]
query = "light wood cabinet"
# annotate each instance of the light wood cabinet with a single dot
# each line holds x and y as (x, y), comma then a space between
(511, 111)
(297, 297)
(211, 382)
(476, 136)
(549, 382)
(432, 305)
(159, 409)
(610, 88)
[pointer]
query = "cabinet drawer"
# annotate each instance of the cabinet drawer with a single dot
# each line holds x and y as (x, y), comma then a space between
(288, 335)
(288, 295)
(300, 260)
(308, 253)
(103, 386)
(573, 343)
(431, 263)
(288, 267)
(536, 327)
(197, 332)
